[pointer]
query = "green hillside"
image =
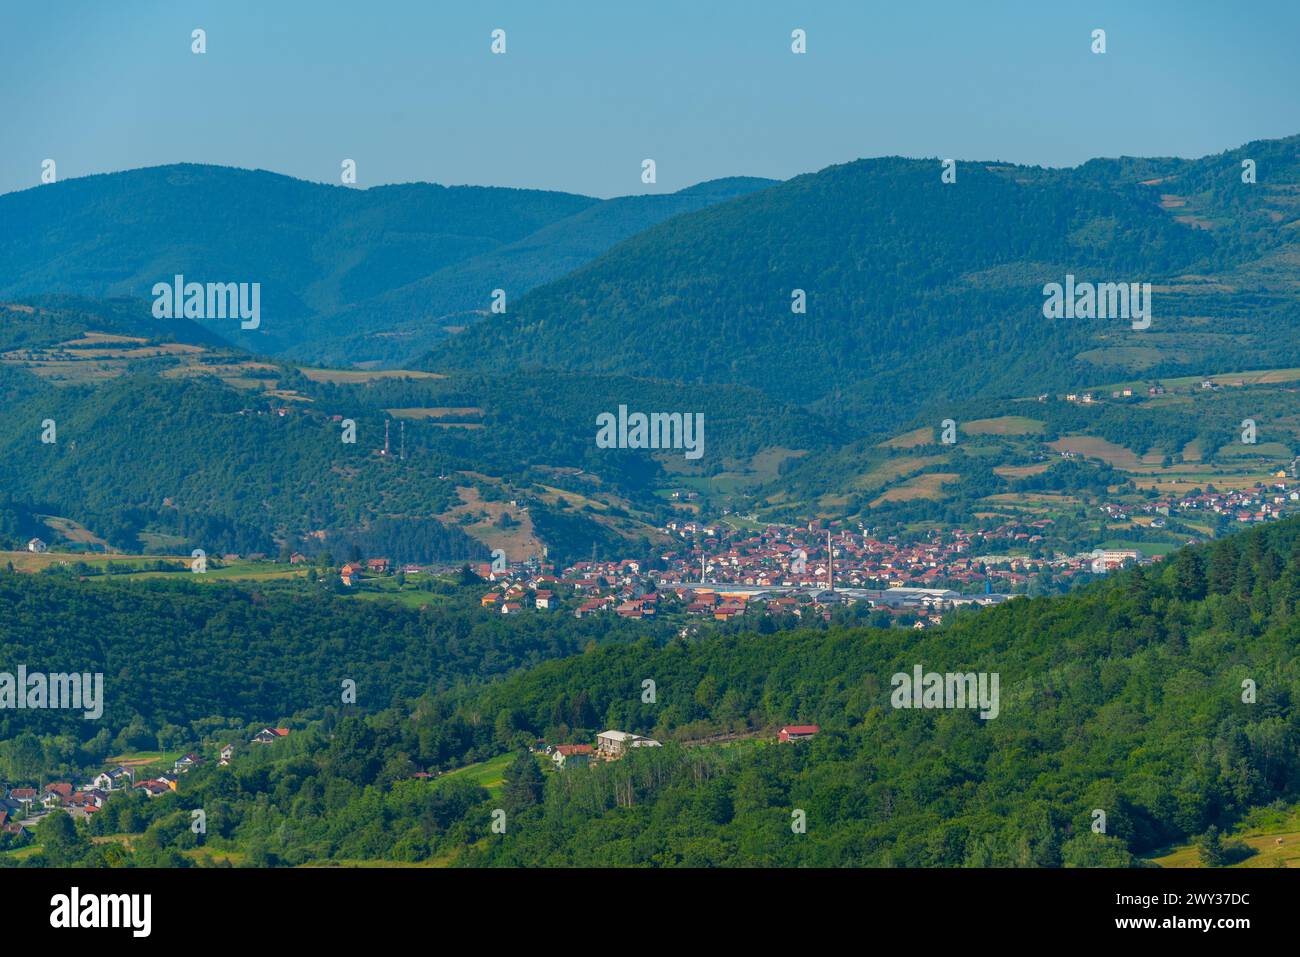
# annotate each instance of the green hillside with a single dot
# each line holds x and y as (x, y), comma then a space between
(213, 448)
(333, 262)
(915, 287)
(1161, 697)
(399, 326)
(178, 651)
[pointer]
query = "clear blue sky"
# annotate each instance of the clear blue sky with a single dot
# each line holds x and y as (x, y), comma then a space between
(588, 88)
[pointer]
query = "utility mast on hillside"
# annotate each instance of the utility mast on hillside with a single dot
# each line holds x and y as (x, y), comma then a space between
(385, 438)
(830, 562)
(401, 431)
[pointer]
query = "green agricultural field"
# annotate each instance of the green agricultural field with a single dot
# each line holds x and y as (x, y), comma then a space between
(1269, 450)
(22, 853)
(410, 597)
(255, 571)
(32, 562)
(489, 774)
(211, 856)
(1272, 833)
(1003, 425)
(144, 759)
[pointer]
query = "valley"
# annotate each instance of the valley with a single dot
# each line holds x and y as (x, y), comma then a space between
(430, 588)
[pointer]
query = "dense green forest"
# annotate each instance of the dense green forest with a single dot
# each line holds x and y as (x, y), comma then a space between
(211, 464)
(399, 326)
(911, 282)
(176, 652)
(1162, 696)
(413, 254)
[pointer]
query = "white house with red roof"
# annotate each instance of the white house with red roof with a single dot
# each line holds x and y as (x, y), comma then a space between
(797, 732)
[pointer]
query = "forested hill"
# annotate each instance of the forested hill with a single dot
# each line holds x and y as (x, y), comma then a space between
(178, 454)
(1125, 697)
(178, 653)
(1161, 697)
(911, 282)
(400, 325)
(336, 265)
(117, 234)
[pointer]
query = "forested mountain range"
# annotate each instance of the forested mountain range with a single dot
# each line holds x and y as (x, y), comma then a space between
(917, 288)
(398, 326)
(334, 263)
(924, 304)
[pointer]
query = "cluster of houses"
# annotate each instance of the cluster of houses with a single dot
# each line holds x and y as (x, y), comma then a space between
(23, 807)
(612, 745)
(721, 574)
(1264, 503)
(353, 572)
(825, 555)
(1087, 398)
(779, 570)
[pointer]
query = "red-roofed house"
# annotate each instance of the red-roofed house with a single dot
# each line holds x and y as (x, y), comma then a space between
(56, 794)
(575, 755)
(798, 732)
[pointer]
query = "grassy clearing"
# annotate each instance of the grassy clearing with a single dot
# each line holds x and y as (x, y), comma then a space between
(1003, 425)
(907, 440)
(517, 540)
(929, 485)
(437, 412)
(1223, 379)
(212, 856)
(1270, 450)
(144, 759)
(365, 375)
(1273, 833)
(238, 570)
(33, 562)
(100, 338)
(891, 469)
(1022, 471)
(1094, 447)
(1032, 500)
(489, 774)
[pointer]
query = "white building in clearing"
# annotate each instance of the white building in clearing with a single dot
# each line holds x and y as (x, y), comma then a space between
(614, 744)
(36, 545)
(1107, 560)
